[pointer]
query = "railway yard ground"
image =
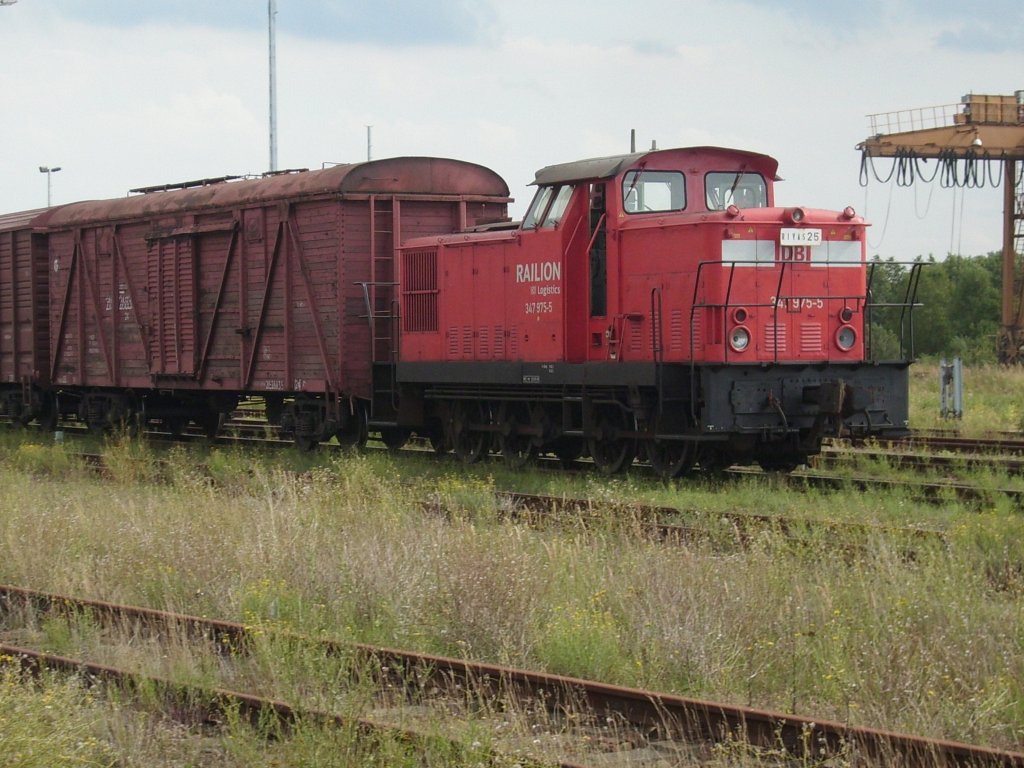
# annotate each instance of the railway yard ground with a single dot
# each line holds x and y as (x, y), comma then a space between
(883, 597)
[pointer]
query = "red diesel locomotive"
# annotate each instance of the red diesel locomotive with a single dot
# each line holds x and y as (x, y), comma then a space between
(657, 303)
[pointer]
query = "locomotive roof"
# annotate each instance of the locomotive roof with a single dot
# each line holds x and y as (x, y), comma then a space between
(607, 167)
(397, 175)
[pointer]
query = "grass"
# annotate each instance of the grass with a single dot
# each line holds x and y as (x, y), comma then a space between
(345, 551)
(840, 626)
(993, 399)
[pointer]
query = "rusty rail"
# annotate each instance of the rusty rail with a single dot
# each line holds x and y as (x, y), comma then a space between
(668, 716)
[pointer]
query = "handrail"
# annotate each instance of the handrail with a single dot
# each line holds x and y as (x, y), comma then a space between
(905, 325)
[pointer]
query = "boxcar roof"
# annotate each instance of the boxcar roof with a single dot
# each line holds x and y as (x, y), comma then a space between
(19, 220)
(392, 176)
(607, 167)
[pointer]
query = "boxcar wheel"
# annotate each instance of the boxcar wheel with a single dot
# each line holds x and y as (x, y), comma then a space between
(175, 425)
(394, 437)
(210, 423)
(306, 443)
(611, 452)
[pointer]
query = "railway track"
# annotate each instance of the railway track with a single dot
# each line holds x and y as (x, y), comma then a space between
(611, 725)
(740, 527)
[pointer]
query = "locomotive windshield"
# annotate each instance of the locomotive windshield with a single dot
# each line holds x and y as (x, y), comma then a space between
(744, 190)
(653, 191)
(548, 207)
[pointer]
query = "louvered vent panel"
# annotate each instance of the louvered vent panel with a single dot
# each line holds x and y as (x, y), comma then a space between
(453, 343)
(675, 334)
(499, 342)
(811, 338)
(419, 290)
(697, 340)
(483, 347)
(634, 338)
(775, 338)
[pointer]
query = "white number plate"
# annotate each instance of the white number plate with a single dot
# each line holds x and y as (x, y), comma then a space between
(793, 236)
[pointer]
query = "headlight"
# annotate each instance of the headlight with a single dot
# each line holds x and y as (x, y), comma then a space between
(739, 339)
(846, 337)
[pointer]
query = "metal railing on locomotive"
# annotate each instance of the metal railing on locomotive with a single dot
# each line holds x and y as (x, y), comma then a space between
(904, 325)
(905, 309)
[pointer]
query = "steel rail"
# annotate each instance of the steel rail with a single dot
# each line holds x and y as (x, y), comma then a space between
(670, 716)
(211, 704)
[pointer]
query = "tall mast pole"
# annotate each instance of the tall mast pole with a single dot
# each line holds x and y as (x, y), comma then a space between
(271, 34)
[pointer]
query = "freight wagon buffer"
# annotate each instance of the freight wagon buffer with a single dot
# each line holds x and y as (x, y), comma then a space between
(178, 303)
(658, 302)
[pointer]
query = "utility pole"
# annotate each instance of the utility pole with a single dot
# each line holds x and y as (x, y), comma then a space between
(271, 34)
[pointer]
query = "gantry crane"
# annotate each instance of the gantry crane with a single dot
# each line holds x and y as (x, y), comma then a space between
(977, 142)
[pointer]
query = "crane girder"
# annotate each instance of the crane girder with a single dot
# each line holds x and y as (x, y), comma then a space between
(979, 141)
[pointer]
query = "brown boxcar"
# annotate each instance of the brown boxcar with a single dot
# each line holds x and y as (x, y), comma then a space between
(24, 323)
(175, 304)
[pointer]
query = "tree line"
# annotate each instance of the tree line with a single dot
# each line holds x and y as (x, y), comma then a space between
(959, 312)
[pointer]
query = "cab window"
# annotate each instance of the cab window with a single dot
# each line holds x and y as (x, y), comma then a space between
(653, 191)
(744, 190)
(537, 208)
(557, 208)
(548, 207)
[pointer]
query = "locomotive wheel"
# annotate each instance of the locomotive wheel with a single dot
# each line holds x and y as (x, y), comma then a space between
(469, 445)
(567, 449)
(437, 439)
(353, 434)
(781, 465)
(611, 453)
(670, 458)
(518, 450)
(712, 461)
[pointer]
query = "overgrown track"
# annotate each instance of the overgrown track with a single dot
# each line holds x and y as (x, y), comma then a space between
(836, 457)
(741, 527)
(664, 728)
(1007, 443)
(830, 470)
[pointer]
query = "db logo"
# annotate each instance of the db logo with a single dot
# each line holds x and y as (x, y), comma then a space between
(796, 253)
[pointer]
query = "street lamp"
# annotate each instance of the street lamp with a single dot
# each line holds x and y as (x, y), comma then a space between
(49, 172)
(272, 56)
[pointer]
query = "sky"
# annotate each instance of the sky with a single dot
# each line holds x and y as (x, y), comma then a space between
(123, 94)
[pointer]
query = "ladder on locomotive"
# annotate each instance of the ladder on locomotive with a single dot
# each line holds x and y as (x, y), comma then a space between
(379, 298)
